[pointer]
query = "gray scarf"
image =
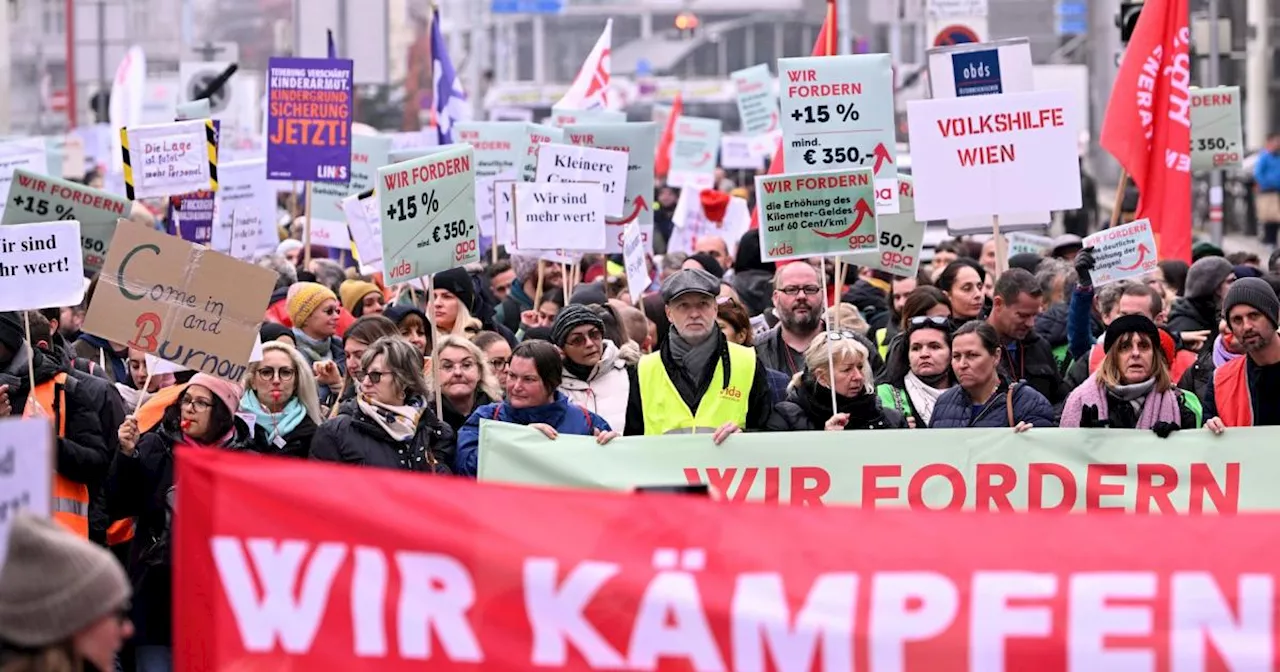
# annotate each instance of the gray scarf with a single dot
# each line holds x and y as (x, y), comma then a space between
(1136, 393)
(692, 360)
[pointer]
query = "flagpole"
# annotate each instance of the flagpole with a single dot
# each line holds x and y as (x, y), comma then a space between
(836, 271)
(306, 232)
(1119, 202)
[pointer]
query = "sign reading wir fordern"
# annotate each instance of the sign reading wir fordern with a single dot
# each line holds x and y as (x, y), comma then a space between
(428, 208)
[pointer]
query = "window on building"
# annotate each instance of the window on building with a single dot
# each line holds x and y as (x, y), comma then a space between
(53, 18)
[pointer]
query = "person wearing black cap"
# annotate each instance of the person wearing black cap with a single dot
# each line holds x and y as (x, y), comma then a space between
(1133, 388)
(595, 368)
(1246, 390)
(706, 262)
(1197, 309)
(453, 299)
(698, 381)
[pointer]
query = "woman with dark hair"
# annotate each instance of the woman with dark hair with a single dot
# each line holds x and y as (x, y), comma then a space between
(140, 484)
(983, 398)
(363, 333)
(497, 352)
(533, 399)
(963, 282)
(919, 372)
(1174, 272)
(413, 326)
(922, 302)
(752, 277)
(544, 313)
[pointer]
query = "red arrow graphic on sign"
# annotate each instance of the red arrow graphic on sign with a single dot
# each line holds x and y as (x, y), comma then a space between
(863, 209)
(640, 205)
(1143, 251)
(882, 155)
(706, 156)
(773, 121)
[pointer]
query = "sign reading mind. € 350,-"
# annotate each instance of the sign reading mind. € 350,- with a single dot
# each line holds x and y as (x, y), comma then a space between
(428, 208)
(816, 214)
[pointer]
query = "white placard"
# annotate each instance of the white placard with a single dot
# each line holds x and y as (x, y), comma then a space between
(255, 355)
(946, 9)
(26, 472)
(27, 154)
(575, 163)
(330, 233)
(486, 208)
(502, 204)
(560, 215)
(633, 257)
(243, 189)
(159, 367)
(365, 221)
(1123, 252)
(990, 155)
(169, 159)
(691, 223)
(736, 153)
(246, 231)
(41, 266)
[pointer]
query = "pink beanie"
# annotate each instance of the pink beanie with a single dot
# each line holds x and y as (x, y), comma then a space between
(226, 391)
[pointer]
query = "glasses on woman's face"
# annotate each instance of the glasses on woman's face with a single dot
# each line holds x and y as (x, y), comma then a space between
(465, 366)
(267, 373)
(579, 340)
(374, 377)
(195, 404)
(332, 310)
(499, 363)
(841, 336)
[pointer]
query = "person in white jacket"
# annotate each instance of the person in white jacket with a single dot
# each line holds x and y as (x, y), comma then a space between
(595, 369)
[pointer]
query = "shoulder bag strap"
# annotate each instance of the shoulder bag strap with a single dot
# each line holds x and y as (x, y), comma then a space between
(1008, 403)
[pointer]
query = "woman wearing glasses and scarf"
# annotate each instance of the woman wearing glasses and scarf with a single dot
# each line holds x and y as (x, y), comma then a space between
(595, 369)
(282, 397)
(920, 371)
(808, 404)
(315, 311)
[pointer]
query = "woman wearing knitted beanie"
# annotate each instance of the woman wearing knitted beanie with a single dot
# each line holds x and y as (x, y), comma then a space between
(64, 601)
(314, 310)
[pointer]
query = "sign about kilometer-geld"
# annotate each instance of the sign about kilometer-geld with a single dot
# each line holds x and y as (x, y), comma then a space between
(35, 198)
(309, 118)
(816, 214)
(1123, 252)
(837, 113)
(573, 163)
(428, 208)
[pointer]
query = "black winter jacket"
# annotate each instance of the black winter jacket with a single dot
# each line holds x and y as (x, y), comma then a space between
(1051, 325)
(1032, 361)
(1198, 378)
(355, 438)
(772, 350)
(1193, 315)
(808, 407)
(296, 443)
(871, 300)
(955, 409)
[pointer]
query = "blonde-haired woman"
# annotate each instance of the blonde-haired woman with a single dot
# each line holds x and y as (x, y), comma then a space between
(467, 381)
(282, 395)
(808, 403)
(453, 298)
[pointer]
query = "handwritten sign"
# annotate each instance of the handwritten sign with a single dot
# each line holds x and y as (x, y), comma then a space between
(245, 193)
(40, 266)
(503, 203)
(309, 119)
(1216, 140)
(428, 210)
(1123, 252)
(694, 148)
(169, 159)
(181, 302)
(816, 214)
(901, 237)
(640, 142)
(26, 472)
(25, 154)
(573, 163)
(36, 198)
(633, 257)
(486, 203)
(564, 215)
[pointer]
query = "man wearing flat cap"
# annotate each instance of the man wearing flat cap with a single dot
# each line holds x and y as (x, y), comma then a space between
(698, 382)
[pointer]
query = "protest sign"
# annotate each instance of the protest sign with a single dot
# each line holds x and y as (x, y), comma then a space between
(901, 237)
(737, 153)
(536, 135)
(428, 207)
(1026, 243)
(757, 99)
(691, 222)
(549, 579)
(74, 164)
(245, 191)
(169, 159)
(40, 266)
(193, 216)
(28, 155)
(309, 119)
(635, 261)
(1216, 140)
(991, 155)
(365, 222)
(564, 117)
(837, 113)
(486, 205)
(328, 221)
(36, 198)
(1123, 252)
(565, 215)
(195, 109)
(242, 234)
(181, 302)
(816, 214)
(53, 145)
(574, 163)
(26, 472)
(639, 141)
(498, 144)
(695, 147)
(503, 202)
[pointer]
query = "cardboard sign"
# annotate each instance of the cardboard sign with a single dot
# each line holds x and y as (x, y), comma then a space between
(816, 214)
(634, 259)
(562, 117)
(573, 163)
(639, 140)
(181, 302)
(193, 216)
(26, 472)
(36, 198)
(695, 147)
(169, 159)
(428, 210)
(901, 237)
(29, 155)
(1123, 252)
(365, 224)
(1216, 140)
(1027, 243)
(40, 266)
(990, 155)
(498, 144)
(309, 119)
(536, 135)
(328, 221)
(691, 223)
(565, 215)
(246, 192)
(837, 113)
(757, 99)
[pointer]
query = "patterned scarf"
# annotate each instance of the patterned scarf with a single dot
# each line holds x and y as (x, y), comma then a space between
(401, 424)
(313, 350)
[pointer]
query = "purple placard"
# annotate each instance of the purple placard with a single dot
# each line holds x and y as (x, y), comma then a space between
(309, 119)
(193, 217)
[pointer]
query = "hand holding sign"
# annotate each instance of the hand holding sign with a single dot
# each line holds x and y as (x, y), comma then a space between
(1123, 252)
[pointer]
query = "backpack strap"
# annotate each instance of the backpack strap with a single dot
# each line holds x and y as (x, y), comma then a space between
(1008, 402)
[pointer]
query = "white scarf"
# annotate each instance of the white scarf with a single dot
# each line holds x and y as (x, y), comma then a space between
(922, 396)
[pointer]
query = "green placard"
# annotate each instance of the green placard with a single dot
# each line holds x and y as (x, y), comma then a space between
(368, 154)
(1216, 139)
(497, 143)
(816, 214)
(639, 140)
(562, 117)
(534, 135)
(428, 208)
(35, 198)
(757, 99)
(195, 109)
(694, 151)
(901, 237)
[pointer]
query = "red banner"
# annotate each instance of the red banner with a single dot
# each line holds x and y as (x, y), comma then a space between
(292, 565)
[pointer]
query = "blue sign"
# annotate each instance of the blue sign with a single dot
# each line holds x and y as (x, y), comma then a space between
(1072, 17)
(527, 6)
(977, 73)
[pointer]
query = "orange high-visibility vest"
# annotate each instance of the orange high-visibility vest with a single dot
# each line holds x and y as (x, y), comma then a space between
(121, 531)
(1231, 393)
(70, 499)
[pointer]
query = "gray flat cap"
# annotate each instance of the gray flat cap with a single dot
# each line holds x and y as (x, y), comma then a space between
(689, 280)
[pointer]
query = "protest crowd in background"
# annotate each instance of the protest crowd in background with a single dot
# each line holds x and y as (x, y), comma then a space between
(704, 322)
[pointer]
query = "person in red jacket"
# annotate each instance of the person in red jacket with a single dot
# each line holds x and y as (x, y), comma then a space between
(1246, 390)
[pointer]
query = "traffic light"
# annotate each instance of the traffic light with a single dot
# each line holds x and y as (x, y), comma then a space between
(687, 23)
(1127, 19)
(100, 103)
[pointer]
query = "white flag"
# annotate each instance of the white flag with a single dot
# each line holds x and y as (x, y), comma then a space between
(590, 89)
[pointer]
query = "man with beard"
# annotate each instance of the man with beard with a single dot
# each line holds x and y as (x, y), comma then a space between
(1026, 355)
(797, 300)
(1245, 390)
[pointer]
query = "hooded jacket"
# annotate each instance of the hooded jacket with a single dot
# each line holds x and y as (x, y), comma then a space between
(1051, 325)
(955, 409)
(561, 414)
(808, 407)
(606, 390)
(355, 438)
(871, 300)
(1193, 315)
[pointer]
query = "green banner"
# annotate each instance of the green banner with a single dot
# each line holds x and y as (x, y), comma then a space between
(1090, 470)
(1216, 140)
(563, 117)
(535, 135)
(816, 214)
(428, 208)
(901, 237)
(639, 140)
(37, 198)
(498, 144)
(368, 154)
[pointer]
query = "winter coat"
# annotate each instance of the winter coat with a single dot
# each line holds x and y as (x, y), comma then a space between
(1051, 325)
(355, 438)
(561, 414)
(778, 384)
(508, 312)
(770, 350)
(955, 409)
(138, 486)
(606, 391)
(871, 300)
(98, 350)
(755, 287)
(1193, 315)
(1198, 379)
(297, 443)
(454, 418)
(1033, 361)
(808, 407)
(339, 357)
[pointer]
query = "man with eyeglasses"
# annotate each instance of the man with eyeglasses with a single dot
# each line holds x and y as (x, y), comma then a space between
(698, 382)
(797, 300)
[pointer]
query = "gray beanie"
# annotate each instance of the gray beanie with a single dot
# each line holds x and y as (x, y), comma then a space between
(571, 317)
(1204, 277)
(54, 584)
(1253, 292)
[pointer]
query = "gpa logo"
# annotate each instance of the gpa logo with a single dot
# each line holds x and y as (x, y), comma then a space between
(732, 393)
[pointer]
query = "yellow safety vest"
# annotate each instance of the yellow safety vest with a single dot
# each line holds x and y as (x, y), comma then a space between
(665, 411)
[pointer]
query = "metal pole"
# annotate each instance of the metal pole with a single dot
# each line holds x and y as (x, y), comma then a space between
(1215, 176)
(1257, 73)
(539, 50)
(69, 12)
(844, 26)
(102, 46)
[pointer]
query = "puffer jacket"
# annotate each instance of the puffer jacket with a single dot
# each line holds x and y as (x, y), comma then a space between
(1193, 315)
(561, 414)
(808, 407)
(955, 408)
(606, 390)
(355, 438)
(1051, 325)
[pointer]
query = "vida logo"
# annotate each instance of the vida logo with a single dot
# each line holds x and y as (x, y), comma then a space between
(781, 250)
(731, 393)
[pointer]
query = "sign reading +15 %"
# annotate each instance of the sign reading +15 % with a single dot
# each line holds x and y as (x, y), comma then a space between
(42, 207)
(407, 208)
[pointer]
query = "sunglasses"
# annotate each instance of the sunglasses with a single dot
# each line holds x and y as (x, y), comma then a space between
(930, 320)
(841, 336)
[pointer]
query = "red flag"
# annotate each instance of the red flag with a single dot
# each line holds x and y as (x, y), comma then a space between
(825, 45)
(1148, 123)
(662, 162)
